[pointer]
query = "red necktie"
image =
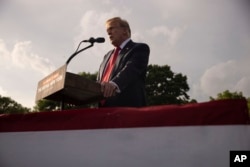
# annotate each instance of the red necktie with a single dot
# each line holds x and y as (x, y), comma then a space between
(110, 65)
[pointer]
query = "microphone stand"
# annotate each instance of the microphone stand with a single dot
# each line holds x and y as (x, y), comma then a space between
(77, 52)
(62, 105)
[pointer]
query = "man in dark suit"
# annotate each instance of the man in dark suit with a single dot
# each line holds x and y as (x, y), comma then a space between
(123, 70)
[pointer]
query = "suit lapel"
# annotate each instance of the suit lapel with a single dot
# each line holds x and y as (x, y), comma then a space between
(121, 56)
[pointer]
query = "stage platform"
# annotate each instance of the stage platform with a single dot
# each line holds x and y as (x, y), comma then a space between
(200, 134)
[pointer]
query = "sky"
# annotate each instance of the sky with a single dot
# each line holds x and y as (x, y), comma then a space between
(208, 41)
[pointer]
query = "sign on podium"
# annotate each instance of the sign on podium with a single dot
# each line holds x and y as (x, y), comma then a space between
(69, 88)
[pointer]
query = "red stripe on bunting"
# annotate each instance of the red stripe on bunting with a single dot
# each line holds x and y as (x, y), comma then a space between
(223, 112)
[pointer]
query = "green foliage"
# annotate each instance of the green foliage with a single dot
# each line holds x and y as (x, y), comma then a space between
(89, 75)
(49, 105)
(9, 106)
(228, 95)
(165, 87)
(46, 105)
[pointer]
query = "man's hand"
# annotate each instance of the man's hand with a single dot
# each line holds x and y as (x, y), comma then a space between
(108, 89)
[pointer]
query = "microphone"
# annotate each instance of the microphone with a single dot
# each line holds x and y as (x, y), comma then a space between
(93, 40)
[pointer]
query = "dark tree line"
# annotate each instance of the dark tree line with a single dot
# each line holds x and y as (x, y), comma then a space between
(9, 106)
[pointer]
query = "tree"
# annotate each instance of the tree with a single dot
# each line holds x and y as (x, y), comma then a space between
(9, 106)
(89, 75)
(165, 87)
(228, 95)
(46, 105)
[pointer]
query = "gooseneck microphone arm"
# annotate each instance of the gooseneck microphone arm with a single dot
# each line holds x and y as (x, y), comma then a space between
(77, 52)
(91, 41)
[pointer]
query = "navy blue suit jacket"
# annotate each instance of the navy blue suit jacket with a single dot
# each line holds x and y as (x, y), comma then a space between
(129, 74)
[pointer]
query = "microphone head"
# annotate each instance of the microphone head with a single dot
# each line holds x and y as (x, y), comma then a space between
(100, 40)
(93, 40)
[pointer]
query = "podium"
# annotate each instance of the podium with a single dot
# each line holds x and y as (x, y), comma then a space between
(68, 88)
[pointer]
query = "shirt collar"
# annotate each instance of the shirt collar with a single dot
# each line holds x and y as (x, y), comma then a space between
(124, 43)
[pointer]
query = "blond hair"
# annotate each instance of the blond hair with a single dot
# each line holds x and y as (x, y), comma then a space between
(122, 23)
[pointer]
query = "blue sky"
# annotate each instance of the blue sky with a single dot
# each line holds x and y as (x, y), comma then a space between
(208, 40)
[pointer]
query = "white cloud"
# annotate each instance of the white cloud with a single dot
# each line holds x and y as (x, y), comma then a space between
(3, 92)
(230, 75)
(171, 35)
(92, 23)
(21, 70)
(243, 85)
(4, 53)
(23, 57)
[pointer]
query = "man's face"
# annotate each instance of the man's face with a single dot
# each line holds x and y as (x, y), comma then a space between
(116, 33)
